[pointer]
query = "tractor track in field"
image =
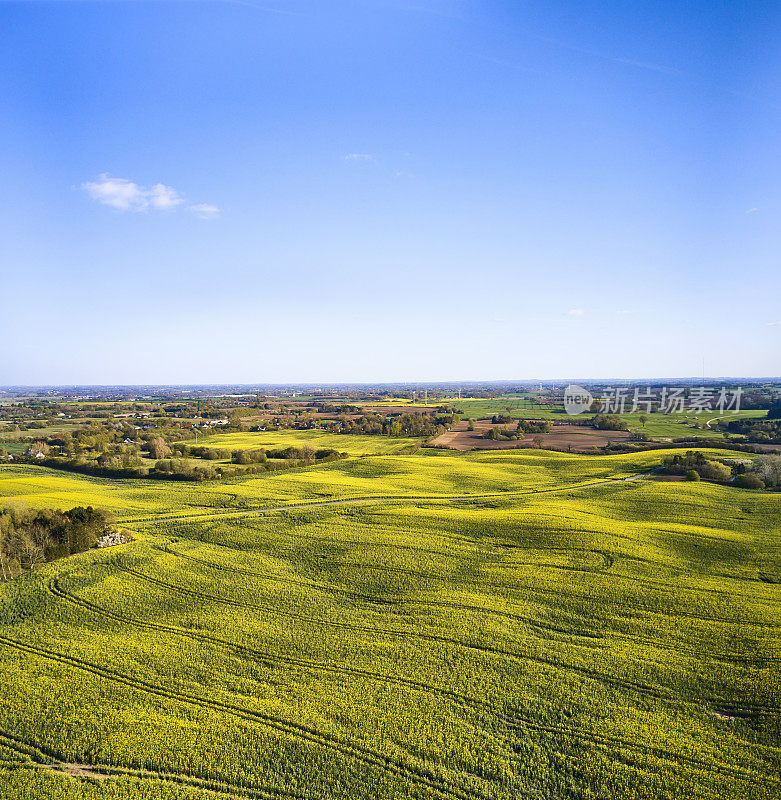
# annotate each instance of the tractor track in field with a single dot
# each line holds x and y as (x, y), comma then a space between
(392, 766)
(400, 601)
(596, 636)
(680, 613)
(658, 752)
(609, 561)
(512, 718)
(641, 688)
(267, 658)
(37, 757)
(723, 594)
(507, 495)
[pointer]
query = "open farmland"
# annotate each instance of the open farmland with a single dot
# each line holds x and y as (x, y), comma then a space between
(575, 438)
(447, 625)
(657, 425)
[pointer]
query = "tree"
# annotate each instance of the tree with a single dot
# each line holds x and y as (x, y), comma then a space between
(715, 471)
(538, 440)
(234, 421)
(749, 482)
(768, 470)
(10, 548)
(643, 419)
(240, 457)
(158, 448)
(471, 425)
(33, 548)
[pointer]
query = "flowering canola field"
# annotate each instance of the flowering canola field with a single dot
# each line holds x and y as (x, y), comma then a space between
(476, 626)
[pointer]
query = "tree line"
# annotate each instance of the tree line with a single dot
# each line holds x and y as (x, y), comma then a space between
(524, 427)
(32, 536)
(762, 431)
(758, 473)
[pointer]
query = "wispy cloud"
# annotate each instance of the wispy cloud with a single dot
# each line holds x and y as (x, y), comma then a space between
(576, 312)
(752, 210)
(359, 157)
(631, 62)
(628, 62)
(126, 195)
(204, 210)
(774, 324)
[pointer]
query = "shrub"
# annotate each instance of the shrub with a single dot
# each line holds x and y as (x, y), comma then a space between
(749, 481)
(715, 471)
(692, 475)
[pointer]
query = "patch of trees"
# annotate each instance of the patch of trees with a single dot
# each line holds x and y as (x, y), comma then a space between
(101, 467)
(749, 481)
(759, 473)
(534, 425)
(609, 422)
(524, 427)
(32, 536)
(182, 470)
(206, 453)
(752, 399)
(407, 425)
(693, 461)
(158, 448)
(768, 470)
(330, 408)
(305, 455)
(766, 431)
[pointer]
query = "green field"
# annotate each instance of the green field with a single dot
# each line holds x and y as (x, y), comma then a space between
(658, 426)
(468, 626)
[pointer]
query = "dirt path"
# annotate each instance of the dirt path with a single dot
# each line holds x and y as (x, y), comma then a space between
(722, 416)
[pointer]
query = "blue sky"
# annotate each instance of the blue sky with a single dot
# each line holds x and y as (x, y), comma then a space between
(367, 190)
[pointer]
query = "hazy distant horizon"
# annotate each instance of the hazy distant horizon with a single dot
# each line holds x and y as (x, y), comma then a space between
(454, 384)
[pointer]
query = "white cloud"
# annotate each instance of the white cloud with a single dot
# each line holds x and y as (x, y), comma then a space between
(359, 157)
(163, 197)
(576, 312)
(752, 210)
(124, 195)
(204, 210)
(773, 324)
